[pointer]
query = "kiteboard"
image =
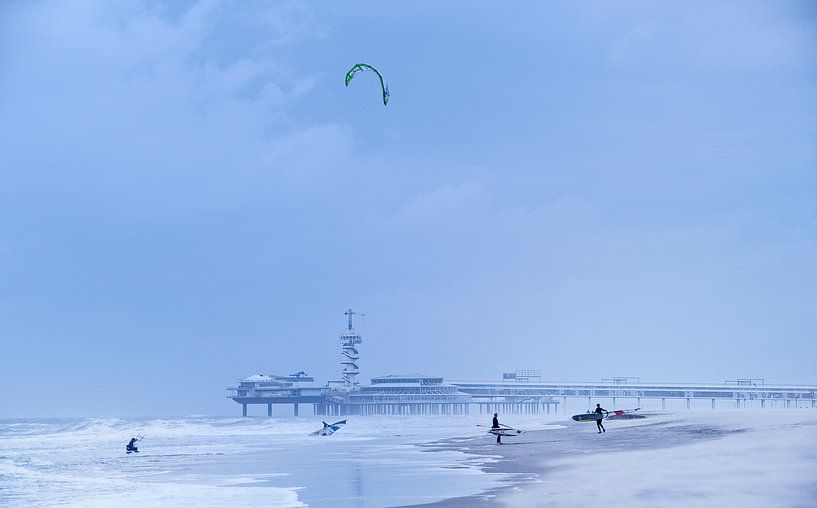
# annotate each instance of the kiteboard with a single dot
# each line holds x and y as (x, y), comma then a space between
(328, 428)
(503, 431)
(506, 432)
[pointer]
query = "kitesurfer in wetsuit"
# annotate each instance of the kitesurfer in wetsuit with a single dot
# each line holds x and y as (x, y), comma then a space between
(132, 445)
(495, 425)
(600, 411)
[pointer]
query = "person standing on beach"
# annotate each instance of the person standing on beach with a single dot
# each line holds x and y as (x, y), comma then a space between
(600, 411)
(495, 426)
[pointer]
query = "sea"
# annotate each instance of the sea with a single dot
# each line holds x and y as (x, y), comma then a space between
(373, 461)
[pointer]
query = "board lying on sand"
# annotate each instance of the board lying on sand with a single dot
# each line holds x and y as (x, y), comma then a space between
(503, 430)
(328, 428)
(593, 417)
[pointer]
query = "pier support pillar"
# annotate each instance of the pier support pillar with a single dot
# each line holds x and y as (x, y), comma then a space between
(614, 402)
(243, 410)
(269, 409)
(687, 404)
(663, 403)
(713, 403)
(294, 410)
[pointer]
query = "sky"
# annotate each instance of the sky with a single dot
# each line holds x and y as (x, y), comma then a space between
(189, 195)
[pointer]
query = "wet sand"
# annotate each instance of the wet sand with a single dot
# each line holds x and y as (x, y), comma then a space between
(661, 460)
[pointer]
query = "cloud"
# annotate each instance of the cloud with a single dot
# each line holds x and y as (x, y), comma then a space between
(723, 37)
(449, 205)
(130, 107)
(115, 67)
(301, 155)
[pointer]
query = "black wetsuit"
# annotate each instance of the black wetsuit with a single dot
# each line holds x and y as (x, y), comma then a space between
(495, 425)
(132, 446)
(600, 411)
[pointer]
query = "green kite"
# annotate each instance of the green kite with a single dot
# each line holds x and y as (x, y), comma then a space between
(366, 67)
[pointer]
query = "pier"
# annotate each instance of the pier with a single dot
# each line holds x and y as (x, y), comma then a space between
(519, 392)
(511, 394)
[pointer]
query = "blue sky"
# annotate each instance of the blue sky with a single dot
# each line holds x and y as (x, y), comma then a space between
(189, 194)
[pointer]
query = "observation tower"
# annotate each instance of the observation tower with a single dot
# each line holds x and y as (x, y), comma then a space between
(349, 340)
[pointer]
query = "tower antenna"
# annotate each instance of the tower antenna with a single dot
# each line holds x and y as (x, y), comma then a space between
(349, 352)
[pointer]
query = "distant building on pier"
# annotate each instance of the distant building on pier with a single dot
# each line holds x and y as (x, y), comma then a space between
(298, 388)
(412, 394)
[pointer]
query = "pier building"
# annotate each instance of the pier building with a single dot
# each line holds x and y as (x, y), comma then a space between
(412, 394)
(272, 389)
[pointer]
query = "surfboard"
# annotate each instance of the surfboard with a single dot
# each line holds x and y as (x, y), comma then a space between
(589, 417)
(593, 417)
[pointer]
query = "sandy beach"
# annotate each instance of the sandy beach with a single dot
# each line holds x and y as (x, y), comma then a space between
(735, 458)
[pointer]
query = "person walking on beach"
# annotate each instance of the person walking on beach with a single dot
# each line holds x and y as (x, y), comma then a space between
(600, 411)
(495, 426)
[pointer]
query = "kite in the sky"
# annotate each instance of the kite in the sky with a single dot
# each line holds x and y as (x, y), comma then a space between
(366, 67)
